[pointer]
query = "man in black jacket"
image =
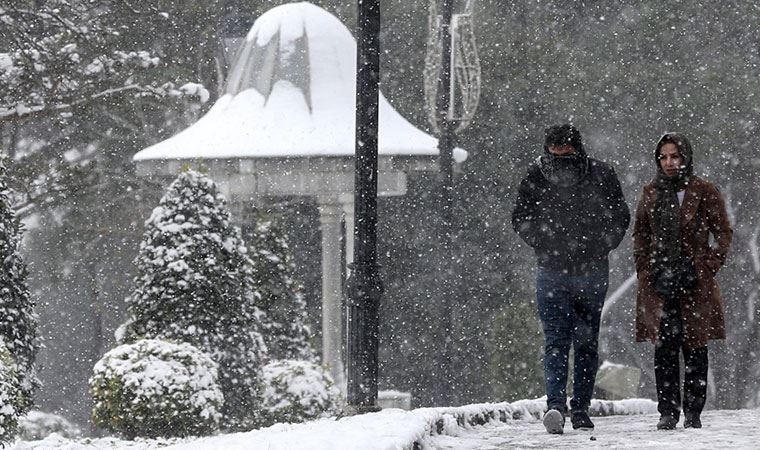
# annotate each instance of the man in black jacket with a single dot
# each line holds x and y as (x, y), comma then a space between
(570, 209)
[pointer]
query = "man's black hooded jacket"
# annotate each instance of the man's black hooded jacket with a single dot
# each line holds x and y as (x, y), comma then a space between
(572, 228)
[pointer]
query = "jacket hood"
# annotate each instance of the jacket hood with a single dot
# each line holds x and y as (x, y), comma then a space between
(684, 148)
(565, 134)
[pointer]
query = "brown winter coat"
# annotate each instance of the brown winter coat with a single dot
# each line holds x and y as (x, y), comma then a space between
(702, 212)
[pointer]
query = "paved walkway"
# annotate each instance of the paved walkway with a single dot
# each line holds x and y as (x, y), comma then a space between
(727, 429)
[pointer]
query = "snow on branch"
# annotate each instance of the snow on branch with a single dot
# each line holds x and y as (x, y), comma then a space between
(52, 65)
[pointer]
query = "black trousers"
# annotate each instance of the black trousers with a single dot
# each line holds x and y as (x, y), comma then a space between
(667, 366)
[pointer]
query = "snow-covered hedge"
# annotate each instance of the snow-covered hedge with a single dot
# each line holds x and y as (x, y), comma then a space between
(154, 388)
(296, 391)
(12, 399)
(37, 425)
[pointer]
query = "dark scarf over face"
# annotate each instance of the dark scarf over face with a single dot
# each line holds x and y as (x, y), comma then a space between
(667, 231)
(564, 170)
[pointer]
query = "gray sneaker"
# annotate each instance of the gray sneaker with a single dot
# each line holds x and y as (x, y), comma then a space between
(554, 422)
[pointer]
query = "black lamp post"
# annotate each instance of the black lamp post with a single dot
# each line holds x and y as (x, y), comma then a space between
(446, 203)
(364, 287)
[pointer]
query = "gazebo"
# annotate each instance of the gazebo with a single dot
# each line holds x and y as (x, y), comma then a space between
(285, 127)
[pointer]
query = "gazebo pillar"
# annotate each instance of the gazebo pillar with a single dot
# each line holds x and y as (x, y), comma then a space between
(330, 212)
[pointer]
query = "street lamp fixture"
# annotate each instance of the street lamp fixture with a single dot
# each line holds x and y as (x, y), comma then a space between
(452, 91)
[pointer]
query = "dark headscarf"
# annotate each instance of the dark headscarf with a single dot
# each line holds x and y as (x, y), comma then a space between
(667, 232)
(565, 170)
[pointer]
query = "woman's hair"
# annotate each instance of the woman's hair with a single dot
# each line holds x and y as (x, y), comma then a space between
(668, 138)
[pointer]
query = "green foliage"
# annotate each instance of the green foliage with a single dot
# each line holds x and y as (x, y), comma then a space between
(156, 389)
(515, 347)
(277, 293)
(13, 400)
(296, 391)
(195, 285)
(18, 324)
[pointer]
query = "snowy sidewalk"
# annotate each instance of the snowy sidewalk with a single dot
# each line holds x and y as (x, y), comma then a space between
(487, 426)
(725, 429)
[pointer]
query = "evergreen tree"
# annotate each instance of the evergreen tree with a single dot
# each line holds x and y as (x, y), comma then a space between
(195, 285)
(78, 97)
(277, 293)
(18, 323)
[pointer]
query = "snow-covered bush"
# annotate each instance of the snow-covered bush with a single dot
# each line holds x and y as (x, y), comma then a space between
(18, 324)
(154, 388)
(194, 285)
(296, 391)
(37, 425)
(278, 293)
(12, 398)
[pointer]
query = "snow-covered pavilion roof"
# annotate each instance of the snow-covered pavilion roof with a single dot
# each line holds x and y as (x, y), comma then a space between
(291, 93)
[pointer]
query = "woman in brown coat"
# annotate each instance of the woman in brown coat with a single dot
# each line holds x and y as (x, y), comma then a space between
(678, 306)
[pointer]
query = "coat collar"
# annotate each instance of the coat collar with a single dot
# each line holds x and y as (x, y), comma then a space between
(690, 202)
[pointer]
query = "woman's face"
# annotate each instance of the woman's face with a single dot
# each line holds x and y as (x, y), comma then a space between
(670, 159)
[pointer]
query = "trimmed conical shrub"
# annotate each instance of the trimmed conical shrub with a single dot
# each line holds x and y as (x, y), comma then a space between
(195, 285)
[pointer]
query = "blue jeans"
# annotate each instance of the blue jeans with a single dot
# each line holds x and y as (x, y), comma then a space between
(570, 307)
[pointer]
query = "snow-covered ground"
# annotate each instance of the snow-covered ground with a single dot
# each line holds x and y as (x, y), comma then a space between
(724, 429)
(450, 428)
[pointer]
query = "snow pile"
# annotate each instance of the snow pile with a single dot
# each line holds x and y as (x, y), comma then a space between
(38, 425)
(598, 408)
(296, 391)
(387, 429)
(631, 406)
(57, 442)
(155, 388)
